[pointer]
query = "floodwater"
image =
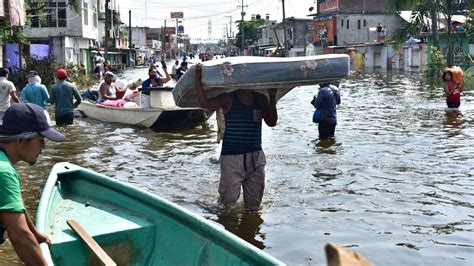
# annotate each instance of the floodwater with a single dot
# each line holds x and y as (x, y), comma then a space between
(396, 185)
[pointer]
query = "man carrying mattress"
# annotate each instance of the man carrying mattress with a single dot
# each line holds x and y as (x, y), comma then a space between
(242, 159)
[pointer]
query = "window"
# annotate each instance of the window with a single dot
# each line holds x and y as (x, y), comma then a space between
(365, 23)
(34, 15)
(94, 17)
(52, 16)
(62, 22)
(347, 24)
(358, 24)
(85, 8)
(342, 23)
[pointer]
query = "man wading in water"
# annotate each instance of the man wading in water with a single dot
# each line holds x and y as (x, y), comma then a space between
(242, 159)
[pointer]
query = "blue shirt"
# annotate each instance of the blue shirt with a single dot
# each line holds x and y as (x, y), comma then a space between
(62, 95)
(243, 126)
(35, 93)
(327, 99)
(147, 83)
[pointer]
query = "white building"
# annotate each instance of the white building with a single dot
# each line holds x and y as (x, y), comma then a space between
(360, 28)
(67, 33)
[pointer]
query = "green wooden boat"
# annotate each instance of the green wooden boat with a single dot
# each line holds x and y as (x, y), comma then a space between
(132, 226)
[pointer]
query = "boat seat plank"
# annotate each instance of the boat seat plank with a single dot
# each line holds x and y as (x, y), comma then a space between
(96, 216)
(90, 242)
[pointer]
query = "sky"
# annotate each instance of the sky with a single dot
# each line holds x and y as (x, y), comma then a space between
(197, 13)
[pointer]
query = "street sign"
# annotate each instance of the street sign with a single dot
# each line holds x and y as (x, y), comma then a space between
(170, 30)
(177, 15)
(180, 29)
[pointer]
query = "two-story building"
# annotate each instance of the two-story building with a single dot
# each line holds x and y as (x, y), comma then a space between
(298, 35)
(63, 32)
(348, 22)
(272, 36)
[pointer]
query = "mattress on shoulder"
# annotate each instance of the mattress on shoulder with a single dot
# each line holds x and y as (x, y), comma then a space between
(260, 73)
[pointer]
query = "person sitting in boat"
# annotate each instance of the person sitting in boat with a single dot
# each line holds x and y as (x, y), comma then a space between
(107, 90)
(174, 68)
(154, 80)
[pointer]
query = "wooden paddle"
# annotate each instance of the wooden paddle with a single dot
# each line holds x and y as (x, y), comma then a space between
(340, 256)
(91, 243)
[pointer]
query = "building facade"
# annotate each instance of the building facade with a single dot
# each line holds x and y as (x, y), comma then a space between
(66, 34)
(347, 22)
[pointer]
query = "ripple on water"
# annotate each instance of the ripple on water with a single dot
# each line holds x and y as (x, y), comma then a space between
(397, 182)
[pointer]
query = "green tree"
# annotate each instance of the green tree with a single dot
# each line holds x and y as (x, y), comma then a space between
(432, 7)
(251, 32)
(470, 23)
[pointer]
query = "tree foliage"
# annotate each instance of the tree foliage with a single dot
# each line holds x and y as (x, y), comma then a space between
(470, 23)
(251, 32)
(45, 67)
(431, 8)
(438, 63)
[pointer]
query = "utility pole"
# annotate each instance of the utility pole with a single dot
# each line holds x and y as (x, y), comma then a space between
(130, 29)
(242, 27)
(107, 3)
(164, 50)
(284, 30)
(162, 40)
(130, 35)
(177, 43)
(229, 36)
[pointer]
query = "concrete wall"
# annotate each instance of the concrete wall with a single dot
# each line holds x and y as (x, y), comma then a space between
(356, 35)
(363, 6)
(70, 49)
(268, 34)
(139, 37)
(412, 58)
(90, 31)
(75, 26)
(376, 57)
(300, 34)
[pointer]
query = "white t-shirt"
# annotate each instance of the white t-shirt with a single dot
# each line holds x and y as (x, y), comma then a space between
(6, 87)
(174, 68)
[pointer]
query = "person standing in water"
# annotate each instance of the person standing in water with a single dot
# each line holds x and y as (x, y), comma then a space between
(327, 98)
(452, 90)
(242, 159)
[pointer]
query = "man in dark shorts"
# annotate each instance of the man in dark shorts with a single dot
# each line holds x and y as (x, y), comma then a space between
(242, 159)
(62, 95)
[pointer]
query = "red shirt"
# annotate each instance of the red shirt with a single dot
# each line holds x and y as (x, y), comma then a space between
(455, 96)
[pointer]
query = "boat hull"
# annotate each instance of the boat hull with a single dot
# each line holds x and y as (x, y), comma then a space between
(134, 227)
(156, 118)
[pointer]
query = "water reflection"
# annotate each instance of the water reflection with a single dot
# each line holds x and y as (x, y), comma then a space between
(325, 146)
(453, 122)
(388, 182)
(244, 224)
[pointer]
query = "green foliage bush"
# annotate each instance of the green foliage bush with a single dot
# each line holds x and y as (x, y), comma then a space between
(437, 65)
(78, 75)
(46, 69)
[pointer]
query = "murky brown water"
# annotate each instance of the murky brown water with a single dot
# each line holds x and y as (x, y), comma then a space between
(397, 184)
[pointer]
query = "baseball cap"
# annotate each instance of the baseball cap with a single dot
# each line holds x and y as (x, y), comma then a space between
(32, 73)
(23, 120)
(61, 73)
